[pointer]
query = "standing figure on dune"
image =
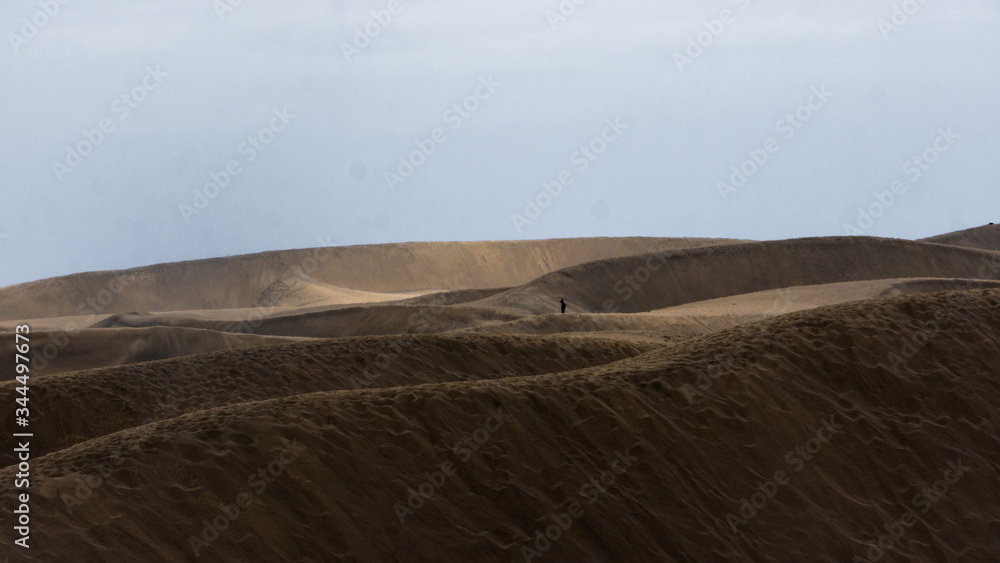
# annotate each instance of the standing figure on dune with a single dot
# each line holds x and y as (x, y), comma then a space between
(562, 305)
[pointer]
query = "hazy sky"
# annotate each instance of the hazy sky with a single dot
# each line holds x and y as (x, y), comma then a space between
(165, 130)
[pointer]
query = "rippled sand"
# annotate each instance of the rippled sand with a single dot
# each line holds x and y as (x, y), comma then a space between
(829, 399)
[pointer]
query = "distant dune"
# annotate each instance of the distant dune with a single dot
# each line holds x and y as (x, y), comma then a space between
(341, 274)
(645, 282)
(809, 400)
(986, 237)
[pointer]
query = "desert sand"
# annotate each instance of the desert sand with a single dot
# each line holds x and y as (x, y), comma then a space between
(821, 399)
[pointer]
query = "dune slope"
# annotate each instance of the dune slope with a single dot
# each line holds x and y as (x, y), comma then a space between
(860, 406)
(309, 276)
(136, 394)
(653, 281)
(825, 399)
(986, 237)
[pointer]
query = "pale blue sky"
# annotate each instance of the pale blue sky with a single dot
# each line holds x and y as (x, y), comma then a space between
(329, 126)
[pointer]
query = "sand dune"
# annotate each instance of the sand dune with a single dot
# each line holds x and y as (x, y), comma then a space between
(676, 464)
(176, 334)
(297, 308)
(292, 291)
(329, 323)
(710, 315)
(637, 326)
(725, 312)
(986, 237)
(166, 389)
(646, 282)
(60, 352)
(701, 400)
(387, 268)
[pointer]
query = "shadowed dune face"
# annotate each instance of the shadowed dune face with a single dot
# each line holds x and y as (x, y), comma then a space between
(807, 400)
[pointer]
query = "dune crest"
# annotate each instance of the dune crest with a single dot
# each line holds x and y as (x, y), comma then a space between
(986, 237)
(405, 267)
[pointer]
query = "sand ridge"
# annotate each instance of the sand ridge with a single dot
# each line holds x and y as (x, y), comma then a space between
(243, 281)
(683, 276)
(986, 237)
(775, 401)
(690, 459)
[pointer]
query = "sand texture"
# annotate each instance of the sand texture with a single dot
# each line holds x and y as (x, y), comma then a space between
(815, 400)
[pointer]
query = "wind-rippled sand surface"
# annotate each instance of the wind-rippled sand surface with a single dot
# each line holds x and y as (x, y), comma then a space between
(702, 400)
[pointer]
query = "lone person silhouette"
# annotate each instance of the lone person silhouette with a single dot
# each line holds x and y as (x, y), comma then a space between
(562, 305)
